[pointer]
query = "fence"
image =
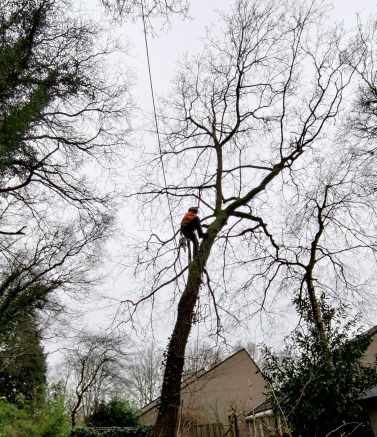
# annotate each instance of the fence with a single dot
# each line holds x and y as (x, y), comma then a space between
(216, 430)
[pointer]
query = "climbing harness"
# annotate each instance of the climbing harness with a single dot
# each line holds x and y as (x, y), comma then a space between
(182, 243)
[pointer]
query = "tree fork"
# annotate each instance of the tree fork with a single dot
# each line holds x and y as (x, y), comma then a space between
(317, 313)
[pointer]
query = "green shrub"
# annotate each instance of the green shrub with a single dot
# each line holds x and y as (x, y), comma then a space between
(317, 398)
(53, 419)
(31, 420)
(137, 431)
(116, 412)
(8, 413)
(85, 432)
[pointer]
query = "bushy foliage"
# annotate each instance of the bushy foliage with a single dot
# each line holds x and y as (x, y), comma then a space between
(28, 419)
(136, 431)
(116, 412)
(315, 397)
(84, 432)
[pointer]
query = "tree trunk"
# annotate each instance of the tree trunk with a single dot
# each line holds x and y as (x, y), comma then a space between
(74, 412)
(170, 400)
(318, 320)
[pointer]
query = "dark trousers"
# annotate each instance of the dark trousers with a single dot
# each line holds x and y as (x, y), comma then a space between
(190, 235)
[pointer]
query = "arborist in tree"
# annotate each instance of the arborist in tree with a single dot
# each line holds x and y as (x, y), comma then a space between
(191, 223)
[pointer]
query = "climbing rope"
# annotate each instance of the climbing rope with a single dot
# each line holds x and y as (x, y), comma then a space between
(155, 112)
(158, 132)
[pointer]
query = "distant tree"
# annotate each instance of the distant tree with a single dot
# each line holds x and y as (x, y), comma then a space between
(201, 355)
(255, 351)
(115, 412)
(316, 399)
(144, 374)
(144, 369)
(95, 372)
(133, 9)
(362, 120)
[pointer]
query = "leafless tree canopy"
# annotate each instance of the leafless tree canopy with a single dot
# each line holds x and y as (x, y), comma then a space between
(94, 371)
(245, 115)
(144, 374)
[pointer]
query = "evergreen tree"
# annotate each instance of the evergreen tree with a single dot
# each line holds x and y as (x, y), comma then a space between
(22, 360)
(116, 412)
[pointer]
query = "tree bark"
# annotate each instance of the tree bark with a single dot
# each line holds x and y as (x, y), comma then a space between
(170, 400)
(317, 316)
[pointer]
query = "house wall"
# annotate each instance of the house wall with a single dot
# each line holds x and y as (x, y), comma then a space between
(229, 388)
(369, 356)
(149, 417)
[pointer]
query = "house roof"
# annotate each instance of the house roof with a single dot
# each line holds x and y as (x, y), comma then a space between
(372, 331)
(369, 394)
(195, 377)
(263, 406)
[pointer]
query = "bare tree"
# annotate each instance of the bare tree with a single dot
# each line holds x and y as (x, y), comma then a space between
(94, 371)
(254, 350)
(243, 116)
(361, 123)
(32, 276)
(144, 368)
(200, 355)
(328, 240)
(144, 374)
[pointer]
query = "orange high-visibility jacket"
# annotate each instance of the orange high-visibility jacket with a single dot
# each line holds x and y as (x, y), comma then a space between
(187, 218)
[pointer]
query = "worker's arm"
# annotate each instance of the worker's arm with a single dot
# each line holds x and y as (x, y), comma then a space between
(198, 227)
